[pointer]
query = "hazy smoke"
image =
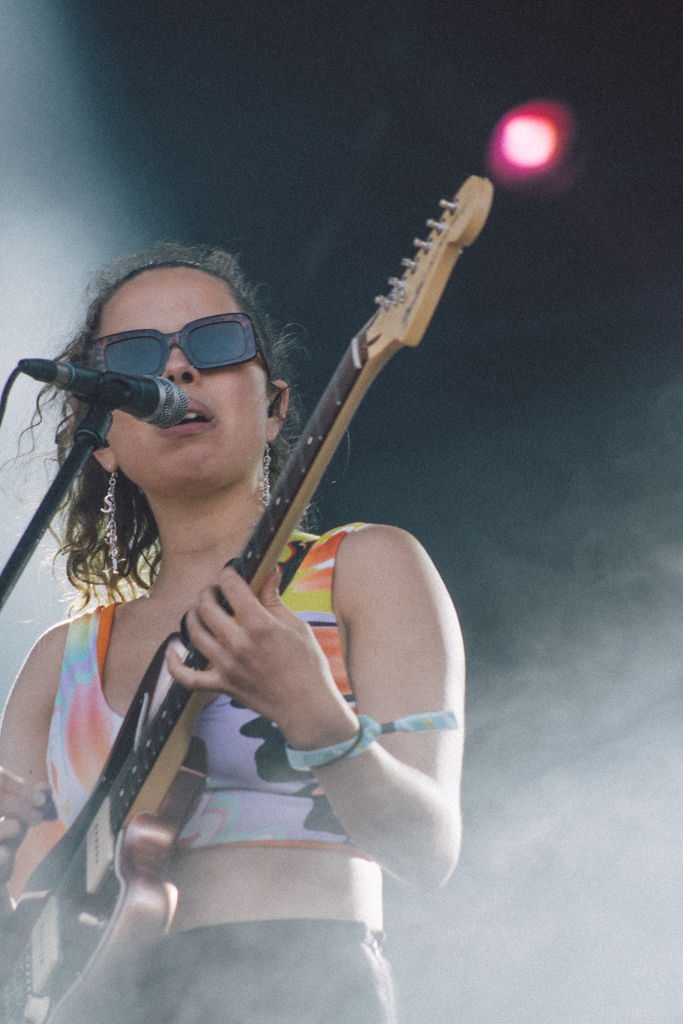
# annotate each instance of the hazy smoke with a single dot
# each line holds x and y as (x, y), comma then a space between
(566, 906)
(62, 214)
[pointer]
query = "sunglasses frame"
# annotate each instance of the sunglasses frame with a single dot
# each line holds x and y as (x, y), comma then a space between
(180, 338)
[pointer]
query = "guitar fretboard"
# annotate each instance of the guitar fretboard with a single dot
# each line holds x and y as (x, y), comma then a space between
(401, 320)
(301, 459)
(141, 760)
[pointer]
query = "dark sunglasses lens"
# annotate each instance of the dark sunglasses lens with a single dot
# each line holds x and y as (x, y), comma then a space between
(219, 344)
(136, 355)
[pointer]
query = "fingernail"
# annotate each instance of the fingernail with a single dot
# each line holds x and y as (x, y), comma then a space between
(49, 809)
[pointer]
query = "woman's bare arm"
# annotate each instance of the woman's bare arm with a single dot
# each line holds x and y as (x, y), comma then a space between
(399, 800)
(23, 746)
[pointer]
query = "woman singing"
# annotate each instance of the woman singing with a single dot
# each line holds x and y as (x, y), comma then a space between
(279, 869)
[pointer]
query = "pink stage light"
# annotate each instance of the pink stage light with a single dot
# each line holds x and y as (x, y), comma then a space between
(531, 144)
(528, 141)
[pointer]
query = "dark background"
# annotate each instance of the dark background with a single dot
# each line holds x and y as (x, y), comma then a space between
(532, 442)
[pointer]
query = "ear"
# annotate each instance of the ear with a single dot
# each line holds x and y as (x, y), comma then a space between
(106, 459)
(278, 397)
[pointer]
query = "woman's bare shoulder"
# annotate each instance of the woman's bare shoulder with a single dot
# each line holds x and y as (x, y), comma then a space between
(389, 596)
(382, 557)
(47, 652)
(380, 538)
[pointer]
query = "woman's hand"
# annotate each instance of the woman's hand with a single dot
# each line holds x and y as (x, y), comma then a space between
(399, 801)
(268, 660)
(21, 805)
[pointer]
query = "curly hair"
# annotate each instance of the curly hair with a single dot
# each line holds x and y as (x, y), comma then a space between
(82, 531)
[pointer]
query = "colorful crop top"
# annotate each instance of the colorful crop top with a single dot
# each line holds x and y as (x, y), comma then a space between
(252, 795)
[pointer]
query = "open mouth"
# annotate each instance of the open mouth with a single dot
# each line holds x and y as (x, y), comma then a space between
(198, 418)
(194, 417)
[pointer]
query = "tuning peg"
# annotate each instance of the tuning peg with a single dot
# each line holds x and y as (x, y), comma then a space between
(383, 301)
(398, 289)
(419, 243)
(436, 225)
(448, 204)
(410, 264)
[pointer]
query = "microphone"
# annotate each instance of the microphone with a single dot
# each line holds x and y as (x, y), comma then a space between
(154, 400)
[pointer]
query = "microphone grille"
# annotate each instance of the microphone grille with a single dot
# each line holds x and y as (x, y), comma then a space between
(173, 404)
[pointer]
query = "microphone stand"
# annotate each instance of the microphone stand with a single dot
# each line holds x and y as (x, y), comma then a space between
(90, 434)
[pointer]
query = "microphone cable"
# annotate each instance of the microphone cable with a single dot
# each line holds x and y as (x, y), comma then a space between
(6, 390)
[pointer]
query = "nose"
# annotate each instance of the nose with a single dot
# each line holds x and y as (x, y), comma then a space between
(179, 369)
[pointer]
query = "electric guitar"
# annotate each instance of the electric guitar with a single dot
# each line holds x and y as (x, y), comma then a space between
(99, 899)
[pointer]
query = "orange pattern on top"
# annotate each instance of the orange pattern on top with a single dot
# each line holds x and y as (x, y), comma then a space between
(106, 622)
(328, 638)
(313, 573)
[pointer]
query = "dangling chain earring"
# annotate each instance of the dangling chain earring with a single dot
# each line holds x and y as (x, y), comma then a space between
(109, 508)
(265, 486)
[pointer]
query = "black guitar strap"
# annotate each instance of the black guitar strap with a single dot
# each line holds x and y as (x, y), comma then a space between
(52, 867)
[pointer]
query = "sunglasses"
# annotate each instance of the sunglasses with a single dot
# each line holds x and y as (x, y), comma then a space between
(213, 341)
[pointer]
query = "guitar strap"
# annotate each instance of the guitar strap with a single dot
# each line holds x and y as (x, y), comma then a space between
(53, 866)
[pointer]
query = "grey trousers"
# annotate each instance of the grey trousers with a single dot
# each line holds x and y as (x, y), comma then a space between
(269, 972)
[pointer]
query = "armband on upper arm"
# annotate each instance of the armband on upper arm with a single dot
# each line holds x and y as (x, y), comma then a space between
(304, 760)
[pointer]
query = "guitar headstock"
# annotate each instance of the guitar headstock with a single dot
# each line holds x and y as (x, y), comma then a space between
(406, 311)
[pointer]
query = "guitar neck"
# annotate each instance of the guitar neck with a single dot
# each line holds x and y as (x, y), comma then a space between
(310, 458)
(401, 320)
(140, 785)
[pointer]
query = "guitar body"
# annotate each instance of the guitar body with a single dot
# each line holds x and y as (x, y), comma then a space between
(73, 949)
(142, 914)
(77, 946)
(16, 932)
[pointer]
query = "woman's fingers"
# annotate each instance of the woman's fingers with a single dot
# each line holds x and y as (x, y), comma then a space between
(251, 612)
(20, 800)
(10, 828)
(21, 805)
(11, 786)
(227, 644)
(269, 597)
(250, 618)
(209, 680)
(270, 600)
(262, 656)
(226, 606)
(247, 608)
